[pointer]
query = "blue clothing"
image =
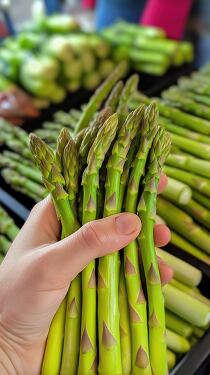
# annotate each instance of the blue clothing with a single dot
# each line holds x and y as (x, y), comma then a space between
(109, 11)
(52, 6)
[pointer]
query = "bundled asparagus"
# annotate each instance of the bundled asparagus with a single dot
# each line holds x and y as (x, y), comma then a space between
(146, 48)
(111, 148)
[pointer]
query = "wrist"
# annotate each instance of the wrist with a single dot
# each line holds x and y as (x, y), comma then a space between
(17, 357)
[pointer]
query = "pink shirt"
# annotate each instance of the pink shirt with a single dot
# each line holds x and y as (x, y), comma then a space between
(171, 15)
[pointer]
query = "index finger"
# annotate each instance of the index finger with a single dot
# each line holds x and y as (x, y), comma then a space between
(163, 183)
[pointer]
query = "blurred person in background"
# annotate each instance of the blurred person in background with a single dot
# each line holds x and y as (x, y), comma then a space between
(171, 15)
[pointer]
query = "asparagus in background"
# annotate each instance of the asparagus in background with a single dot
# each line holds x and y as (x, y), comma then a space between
(7, 225)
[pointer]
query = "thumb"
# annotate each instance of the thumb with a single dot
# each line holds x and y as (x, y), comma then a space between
(95, 239)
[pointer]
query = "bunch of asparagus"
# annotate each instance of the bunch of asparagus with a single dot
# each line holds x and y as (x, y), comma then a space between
(55, 59)
(186, 307)
(113, 163)
(147, 48)
(187, 167)
(8, 232)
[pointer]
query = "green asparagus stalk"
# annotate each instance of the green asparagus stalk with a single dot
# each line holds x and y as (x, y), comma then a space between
(186, 306)
(25, 171)
(66, 119)
(108, 271)
(191, 291)
(66, 156)
(90, 182)
(196, 148)
(146, 210)
(183, 224)
(200, 198)
(177, 192)
(198, 212)
(137, 302)
(178, 325)
(177, 116)
(4, 244)
(203, 99)
(18, 158)
(90, 135)
(171, 359)
(125, 334)
(189, 163)
(192, 85)
(182, 270)
(177, 99)
(23, 184)
(51, 167)
(198, 183)
(177, 343)
(17, 145)
(188, 247)
(7, 225)
(99, 96)
(91, 80)
(198, 332)
(113, 98)
(188, 134)
(127, 92)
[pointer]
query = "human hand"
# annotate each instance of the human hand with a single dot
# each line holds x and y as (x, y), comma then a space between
(36, 273)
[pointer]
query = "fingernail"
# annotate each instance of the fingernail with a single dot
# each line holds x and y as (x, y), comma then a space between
(127, 223)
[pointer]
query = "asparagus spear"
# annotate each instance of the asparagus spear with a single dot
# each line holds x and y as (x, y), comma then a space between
(90, 135)
(24, 170)
(198, 183)
(191, 291)
(7, 225)
(188, 247)
(146, 207)
(192, 85)
(186, 306)
(181, 118)
(18, 158)
(125, 334)
(171, 359)
(4, 244)
(177, 343)
(177, 99)
(177, 192)
(23, 184)
(178, 325)
(183, 224)
(96, 155)
(182, 270)
(113, 98)
(137, 302)
(108, 271)
(127, 92)
(188, 134)
(200, 198)
(190, 164)
(198, 212)
(193, 147)
(51, 167)
(99, 96)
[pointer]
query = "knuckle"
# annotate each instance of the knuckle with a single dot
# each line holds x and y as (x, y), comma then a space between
(92, 238)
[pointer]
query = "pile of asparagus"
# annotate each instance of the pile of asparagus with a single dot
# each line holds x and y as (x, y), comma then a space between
(185, 307)
(146, 48)
(184, 114)
(55, 58)
(112, 164)
(8, 232)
